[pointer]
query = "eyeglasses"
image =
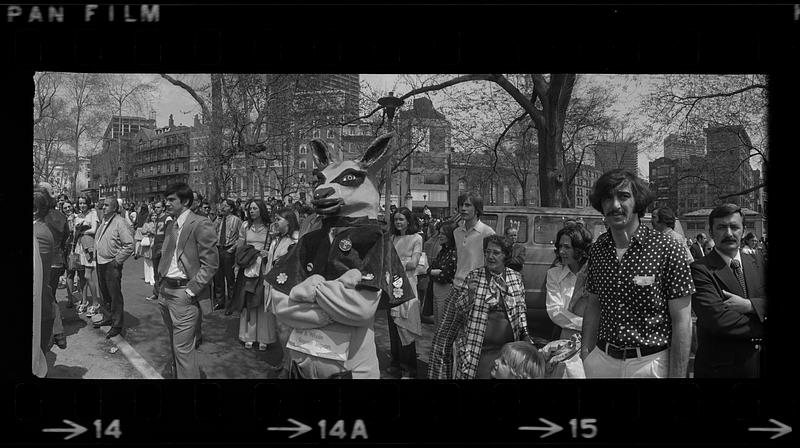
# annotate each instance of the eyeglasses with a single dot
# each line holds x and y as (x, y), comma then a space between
(496, 253)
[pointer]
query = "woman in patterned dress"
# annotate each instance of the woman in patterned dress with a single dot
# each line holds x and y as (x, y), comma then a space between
(488, 313)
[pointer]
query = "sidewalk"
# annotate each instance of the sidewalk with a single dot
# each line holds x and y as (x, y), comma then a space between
(221, 356)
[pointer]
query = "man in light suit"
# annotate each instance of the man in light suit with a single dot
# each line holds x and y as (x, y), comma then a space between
(189, 261)
(730, 302)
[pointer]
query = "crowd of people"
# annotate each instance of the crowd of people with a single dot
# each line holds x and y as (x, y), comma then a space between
(623, 300)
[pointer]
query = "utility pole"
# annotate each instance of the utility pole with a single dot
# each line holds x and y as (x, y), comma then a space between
(390, 104)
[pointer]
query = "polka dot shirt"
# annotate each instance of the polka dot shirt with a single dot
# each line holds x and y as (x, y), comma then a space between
(634, 292)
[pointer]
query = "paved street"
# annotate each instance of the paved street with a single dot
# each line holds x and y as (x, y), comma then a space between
(143, 351)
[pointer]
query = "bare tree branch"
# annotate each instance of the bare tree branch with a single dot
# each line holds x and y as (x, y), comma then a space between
(744, 192)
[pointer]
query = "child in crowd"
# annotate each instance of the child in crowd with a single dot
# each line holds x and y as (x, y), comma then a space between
(519, 360)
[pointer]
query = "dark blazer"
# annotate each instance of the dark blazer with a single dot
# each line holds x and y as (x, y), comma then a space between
(197, 253)
(729, 344)
(696, 250)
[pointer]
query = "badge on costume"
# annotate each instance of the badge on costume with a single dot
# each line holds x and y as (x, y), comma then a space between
(398, 286)
(310, 267)
(282, 277)
(367, 276)
(345, 245)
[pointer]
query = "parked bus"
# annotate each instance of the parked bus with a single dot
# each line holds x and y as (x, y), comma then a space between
(538, 227)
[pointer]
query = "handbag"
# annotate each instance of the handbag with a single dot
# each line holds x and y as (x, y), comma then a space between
(422, 264)
(146, 241)
(74, 262)
(73, 259)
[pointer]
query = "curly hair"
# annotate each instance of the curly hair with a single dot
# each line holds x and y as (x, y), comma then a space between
(502, 242)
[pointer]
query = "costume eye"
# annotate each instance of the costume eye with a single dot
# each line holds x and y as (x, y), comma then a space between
(350, 178)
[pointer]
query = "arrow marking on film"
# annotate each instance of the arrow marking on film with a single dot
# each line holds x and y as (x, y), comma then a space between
(551, 428)
(298, 427)
(780, 430)
(76, 429)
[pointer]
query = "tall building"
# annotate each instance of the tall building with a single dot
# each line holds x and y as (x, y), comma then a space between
(114, 157)
(697, 182)
(305, 107)
(613, 155)
(728, 164)
(167, 155)
(664, 173)
(582, 185)
(425, 132)
(337, 93)
(682, 146)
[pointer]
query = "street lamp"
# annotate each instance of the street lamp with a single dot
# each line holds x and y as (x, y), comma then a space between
(390, 104)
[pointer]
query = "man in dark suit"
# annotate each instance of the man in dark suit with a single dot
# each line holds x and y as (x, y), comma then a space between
(730, 302)
(227, 229)
(697, 247)
(189, 260)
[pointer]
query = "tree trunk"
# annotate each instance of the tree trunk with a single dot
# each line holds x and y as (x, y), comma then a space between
(549, 172)
(216, 138)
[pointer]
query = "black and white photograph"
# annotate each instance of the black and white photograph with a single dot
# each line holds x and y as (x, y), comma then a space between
(399, 226)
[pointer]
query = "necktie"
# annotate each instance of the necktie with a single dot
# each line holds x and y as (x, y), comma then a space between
(170, 243)
(737, 270)
(223, 234)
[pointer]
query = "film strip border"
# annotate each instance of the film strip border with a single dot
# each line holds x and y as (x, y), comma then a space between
(393, 38)
(611, 411)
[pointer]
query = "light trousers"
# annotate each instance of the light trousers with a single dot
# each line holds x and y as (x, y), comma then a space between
(600, 364)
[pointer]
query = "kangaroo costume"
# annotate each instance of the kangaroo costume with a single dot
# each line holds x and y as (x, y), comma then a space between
(328, 287)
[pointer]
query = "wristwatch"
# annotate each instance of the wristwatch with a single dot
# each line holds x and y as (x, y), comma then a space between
(189, 292)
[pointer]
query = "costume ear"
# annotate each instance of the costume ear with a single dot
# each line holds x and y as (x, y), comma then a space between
(378, 153)
(322, 154)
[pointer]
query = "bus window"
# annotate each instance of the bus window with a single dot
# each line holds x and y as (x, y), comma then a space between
(490, 220)
(545, 228)
(518, 221)
(596, 226)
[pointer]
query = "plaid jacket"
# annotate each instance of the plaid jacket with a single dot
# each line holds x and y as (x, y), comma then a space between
(464, 322)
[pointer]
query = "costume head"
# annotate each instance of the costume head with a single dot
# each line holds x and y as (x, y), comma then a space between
(349, 187)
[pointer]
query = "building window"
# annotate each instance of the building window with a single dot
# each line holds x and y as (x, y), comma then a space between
(462, 185)
(331, 133)
(302, 164)
(433, 179)
(316, 133)
(303, 149)
(421, 139)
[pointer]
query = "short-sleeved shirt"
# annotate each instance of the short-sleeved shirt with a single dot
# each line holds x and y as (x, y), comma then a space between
(634, 292)
(469, 247)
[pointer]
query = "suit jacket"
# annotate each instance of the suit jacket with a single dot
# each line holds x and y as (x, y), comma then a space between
(729, 343)
(197, 253)
(696, 250)
(517, 260)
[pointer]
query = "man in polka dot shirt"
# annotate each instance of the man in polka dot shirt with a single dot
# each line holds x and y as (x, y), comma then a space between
(637, 322)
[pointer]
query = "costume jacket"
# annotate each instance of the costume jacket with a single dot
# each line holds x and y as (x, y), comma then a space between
(328, 291)
(729, 343)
